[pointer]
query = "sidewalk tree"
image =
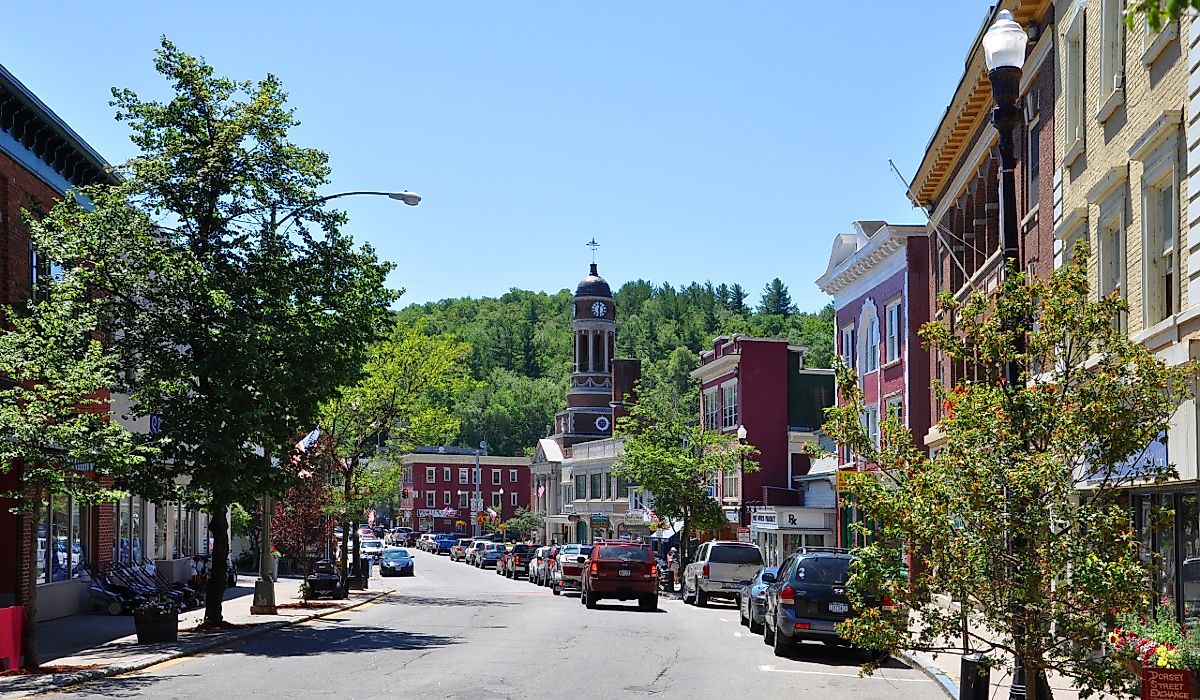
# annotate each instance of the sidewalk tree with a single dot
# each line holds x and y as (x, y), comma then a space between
(668, 454)
(1021, 515)
(524, 523)
(404, 398)
(228, 324)
(1158, 13)
(57, 435)
(300, 525)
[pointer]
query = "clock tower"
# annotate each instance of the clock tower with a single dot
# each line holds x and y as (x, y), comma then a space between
(589, 415)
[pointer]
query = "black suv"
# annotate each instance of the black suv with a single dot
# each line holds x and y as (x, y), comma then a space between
(808, 599)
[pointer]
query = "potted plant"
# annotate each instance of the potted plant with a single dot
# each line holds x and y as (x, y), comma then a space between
(156, 619)
(1139, 643)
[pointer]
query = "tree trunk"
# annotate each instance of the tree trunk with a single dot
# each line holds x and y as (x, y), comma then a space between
(29, 653)
(218, 525)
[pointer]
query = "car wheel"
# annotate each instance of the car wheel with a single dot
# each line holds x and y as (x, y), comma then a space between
(701, 597)
(589, 601)
(780, 644)
(768, 634)
(755, 626)
(648, 603)
(742, 615)
(687, 599)
(556, 590)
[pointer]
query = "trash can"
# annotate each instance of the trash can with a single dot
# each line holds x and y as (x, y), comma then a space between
(975, 676)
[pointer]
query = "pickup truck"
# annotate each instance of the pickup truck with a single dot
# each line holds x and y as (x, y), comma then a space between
(516, 562)
(567, 568)
(721, 569)
(443, 543)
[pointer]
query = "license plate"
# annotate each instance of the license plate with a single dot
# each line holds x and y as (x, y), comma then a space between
(839, 607)
(623, 572)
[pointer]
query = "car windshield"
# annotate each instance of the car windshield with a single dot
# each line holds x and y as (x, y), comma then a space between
(735, 554)
(624, 553)
(396, 554)
(828, 570)
(521, 548)
(371, 543)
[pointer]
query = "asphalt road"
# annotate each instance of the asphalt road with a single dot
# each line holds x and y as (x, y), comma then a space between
(454, 631)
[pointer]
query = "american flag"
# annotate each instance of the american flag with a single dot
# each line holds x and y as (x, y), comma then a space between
(449, 512)
(306, 442)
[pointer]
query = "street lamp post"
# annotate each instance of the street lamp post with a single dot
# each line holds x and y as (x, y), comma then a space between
(741, 434)
(1004, 47)
(477, 503)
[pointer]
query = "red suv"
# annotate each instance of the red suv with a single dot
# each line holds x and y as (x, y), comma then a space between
(621, 570)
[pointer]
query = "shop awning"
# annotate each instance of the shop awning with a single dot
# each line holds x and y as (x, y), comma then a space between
(666, 533)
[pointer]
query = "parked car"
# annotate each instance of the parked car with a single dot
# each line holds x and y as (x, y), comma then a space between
(371, 547)
(489, 555)
(396, 561)
(516, 563)
(568, 567)
(620, 570)
(474, 551)
(808, 599)
(458, 552)
(424, 541)
(442, 544)
(721, 568)
(752, 599)
(537, 565)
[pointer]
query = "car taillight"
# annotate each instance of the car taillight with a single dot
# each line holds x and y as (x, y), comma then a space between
(517, 559)
(787, 595)
(654, 569)
(595, 567)
(888, 603)
(803, 626)
(704, 571)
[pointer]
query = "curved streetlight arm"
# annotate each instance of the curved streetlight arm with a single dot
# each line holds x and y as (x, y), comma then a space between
(412, 199)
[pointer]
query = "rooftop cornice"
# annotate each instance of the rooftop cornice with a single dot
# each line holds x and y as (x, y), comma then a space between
(882, 245)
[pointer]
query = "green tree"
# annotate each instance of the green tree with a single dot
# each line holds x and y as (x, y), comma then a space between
(776, 301)
(669, 455)
(232, 319)
(995, 518)
(524, 523)
(1158, 12)
(55, 415)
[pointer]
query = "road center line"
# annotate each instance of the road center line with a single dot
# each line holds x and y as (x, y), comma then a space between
(772, 669)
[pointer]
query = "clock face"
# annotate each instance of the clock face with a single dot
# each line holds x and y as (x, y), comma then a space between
(598, 309)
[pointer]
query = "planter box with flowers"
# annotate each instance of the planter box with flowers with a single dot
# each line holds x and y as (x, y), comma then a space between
(156, 620)
(1160, 653)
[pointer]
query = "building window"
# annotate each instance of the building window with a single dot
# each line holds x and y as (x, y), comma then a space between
(893, 331)
(62, 541)
(430, 499)
(580, 487)
(712, 409)
(512, 499)
(446, 474)
(596, 486)
(730, 485)
(430, 475)
(894, 407)
(871, 420)
(1112, 261)
(463, 475)
(463, 499)
(497, 500)
(1073, 86)
(848, 346)
(447, 499)
(1112, 51)
(1033, 166)
(1162, 251)
(729, 404)
(495, 477)
(871, 353)
(512, 476)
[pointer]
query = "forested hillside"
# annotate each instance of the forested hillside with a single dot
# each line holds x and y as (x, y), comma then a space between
(521, 344)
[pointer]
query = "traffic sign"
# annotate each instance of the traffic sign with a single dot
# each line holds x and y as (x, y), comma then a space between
(743, 534)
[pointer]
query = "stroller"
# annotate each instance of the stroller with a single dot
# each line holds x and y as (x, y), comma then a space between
(113, 597)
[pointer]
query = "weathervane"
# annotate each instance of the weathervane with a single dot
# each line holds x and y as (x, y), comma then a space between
(593, 245)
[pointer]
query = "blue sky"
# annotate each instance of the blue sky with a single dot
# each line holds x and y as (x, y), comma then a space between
(694, 140)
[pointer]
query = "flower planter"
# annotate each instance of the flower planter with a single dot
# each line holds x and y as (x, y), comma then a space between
(154, 628)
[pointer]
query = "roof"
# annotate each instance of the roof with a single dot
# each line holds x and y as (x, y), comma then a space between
(593, 285)
(551, 449)
(41, 141)
(968, 109)
(855, 254)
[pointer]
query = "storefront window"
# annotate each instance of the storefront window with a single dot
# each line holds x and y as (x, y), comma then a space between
(43, 558)
(1189, 546)
(596, 485)
(162, 513)
(1166, 549)
(62, 532)
(60, 537)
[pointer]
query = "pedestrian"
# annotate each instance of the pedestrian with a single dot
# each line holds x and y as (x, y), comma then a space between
(673, 567)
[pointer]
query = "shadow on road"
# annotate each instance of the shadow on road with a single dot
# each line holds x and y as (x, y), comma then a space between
(305, 640)
(117, 687)
(626, 608)
(402, 599)
(817, 653)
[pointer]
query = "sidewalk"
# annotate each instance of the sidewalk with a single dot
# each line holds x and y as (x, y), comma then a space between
(105, 645)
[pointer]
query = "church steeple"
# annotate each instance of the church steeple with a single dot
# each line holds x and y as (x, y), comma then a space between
(589, 415)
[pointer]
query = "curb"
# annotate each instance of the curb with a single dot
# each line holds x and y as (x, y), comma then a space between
(949, 687)
(66, 680)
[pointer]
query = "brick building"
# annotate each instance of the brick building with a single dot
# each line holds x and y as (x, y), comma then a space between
(957, 182)
(40, 159)
(761, 384)
(440, 483)
(879, 279)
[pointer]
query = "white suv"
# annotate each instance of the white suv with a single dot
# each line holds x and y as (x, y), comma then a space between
(721, 569)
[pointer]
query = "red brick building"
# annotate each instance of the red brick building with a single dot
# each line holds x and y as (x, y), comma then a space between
(879, 279)
(40, 159)
(441, 483)
(761, 384)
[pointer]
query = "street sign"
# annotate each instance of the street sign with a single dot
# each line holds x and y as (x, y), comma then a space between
(479, 518)
(743, 534)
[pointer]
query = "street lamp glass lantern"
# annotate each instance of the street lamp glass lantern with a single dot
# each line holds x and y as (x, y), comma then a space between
(742, 433)
(1004, 43)
(412, 199)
